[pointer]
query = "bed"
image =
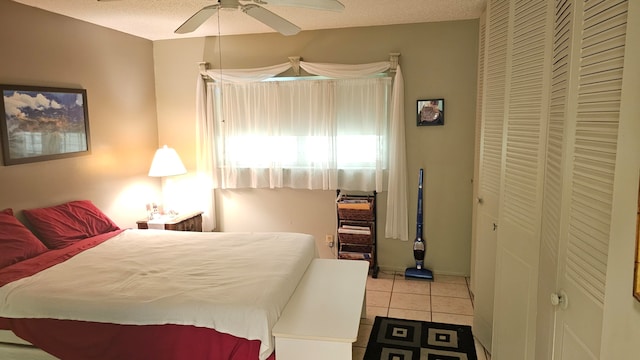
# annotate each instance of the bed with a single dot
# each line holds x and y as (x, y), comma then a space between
(138, 294)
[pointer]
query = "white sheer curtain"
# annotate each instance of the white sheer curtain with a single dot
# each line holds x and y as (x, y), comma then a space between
(303, 134)
(396, 226)
(244, 81)
(205, 159)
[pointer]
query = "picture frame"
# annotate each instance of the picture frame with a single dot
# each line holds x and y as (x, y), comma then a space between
(430, 112)
(43, 123)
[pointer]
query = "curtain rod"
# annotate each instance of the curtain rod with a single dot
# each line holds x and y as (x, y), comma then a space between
(203, 66)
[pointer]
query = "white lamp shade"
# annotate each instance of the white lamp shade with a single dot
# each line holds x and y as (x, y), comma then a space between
(166, 162)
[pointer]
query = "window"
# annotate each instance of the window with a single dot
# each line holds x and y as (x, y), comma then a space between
(310, 133)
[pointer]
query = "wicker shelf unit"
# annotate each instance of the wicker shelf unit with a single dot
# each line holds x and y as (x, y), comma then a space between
(356, 231)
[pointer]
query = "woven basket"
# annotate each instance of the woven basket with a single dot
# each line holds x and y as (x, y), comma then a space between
(353, 214)
(364, 249)
(348, 255)
(365, 214)
(357, 214)
(355, 239)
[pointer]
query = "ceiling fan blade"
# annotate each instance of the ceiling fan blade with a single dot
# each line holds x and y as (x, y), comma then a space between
(270, 19)
(197, 19)
(333, 5)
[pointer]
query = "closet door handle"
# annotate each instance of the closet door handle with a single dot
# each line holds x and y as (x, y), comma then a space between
(560, 299)
(480, 200)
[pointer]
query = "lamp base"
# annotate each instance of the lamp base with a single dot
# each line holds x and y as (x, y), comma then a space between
(416, 273)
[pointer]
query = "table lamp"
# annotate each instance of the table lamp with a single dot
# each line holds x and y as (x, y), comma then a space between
(166, 162)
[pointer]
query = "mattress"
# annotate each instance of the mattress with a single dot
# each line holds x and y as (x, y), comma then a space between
(235, 283)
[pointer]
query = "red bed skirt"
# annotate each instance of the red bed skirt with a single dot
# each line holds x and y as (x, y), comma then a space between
(70, 340)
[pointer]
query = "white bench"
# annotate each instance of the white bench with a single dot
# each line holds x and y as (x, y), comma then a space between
(322, 318)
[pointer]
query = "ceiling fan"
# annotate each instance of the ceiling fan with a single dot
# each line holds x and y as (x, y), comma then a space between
(259, 13)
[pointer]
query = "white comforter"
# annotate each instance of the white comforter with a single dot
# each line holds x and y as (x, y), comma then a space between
(236, 283)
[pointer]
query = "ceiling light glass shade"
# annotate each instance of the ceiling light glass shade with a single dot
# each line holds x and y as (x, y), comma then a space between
(166, 162)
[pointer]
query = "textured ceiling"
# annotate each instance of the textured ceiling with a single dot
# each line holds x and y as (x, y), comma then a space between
(157, 19)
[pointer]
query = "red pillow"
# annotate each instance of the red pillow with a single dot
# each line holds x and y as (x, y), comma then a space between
(61, 225)
(17, 243)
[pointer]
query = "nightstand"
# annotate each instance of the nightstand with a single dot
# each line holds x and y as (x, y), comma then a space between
(182, 222)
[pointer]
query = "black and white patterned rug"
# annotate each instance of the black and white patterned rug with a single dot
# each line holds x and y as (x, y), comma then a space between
(401, 339)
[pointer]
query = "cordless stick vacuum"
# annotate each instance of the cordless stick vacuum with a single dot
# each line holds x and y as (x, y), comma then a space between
(419, 246)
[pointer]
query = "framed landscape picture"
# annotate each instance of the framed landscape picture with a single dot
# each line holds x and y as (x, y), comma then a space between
(43, 123)
(430, 112)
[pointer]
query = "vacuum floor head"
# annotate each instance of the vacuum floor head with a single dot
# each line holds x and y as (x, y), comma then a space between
(416, 273)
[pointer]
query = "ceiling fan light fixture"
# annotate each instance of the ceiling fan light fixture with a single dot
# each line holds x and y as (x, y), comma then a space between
(230, 5)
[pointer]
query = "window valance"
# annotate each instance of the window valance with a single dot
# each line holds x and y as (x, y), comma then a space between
(340, 71)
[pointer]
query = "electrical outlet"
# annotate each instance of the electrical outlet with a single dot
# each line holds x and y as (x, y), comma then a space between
(329, 240)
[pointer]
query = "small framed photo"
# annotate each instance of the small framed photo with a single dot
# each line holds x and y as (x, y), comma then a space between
(430, 112)
(43, 123)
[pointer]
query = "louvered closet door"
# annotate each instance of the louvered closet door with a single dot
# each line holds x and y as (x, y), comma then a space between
(552, 195)
(594, 104)
(484, 257)
(517, 256)
(489, 163)
(476, 152)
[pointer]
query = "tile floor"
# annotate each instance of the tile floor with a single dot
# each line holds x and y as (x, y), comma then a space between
(445, 299)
